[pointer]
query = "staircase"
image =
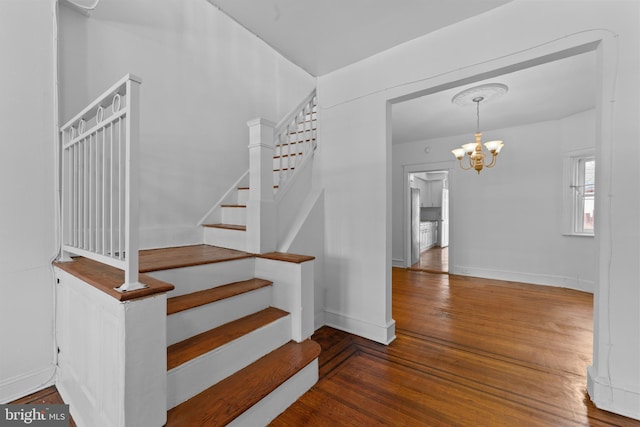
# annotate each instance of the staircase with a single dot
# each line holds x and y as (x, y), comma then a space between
(230, 356)
(294, 143)
(238, 315)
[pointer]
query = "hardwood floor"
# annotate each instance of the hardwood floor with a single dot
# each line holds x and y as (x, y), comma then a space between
(47, 396)
(468, 352)
(433, 260)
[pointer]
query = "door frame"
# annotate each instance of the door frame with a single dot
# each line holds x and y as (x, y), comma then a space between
(447, 166)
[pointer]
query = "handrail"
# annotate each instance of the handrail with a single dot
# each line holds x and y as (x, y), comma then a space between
(99, 150)
(295, 138)
(294, 112)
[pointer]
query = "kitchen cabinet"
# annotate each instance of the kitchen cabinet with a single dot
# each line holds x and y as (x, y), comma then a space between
(433, 194)
(428, 234)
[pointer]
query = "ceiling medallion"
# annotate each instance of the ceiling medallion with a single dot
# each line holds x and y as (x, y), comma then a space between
(487, 92)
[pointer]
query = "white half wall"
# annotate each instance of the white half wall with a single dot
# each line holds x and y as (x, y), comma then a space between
(507, 222)
(355, 161)
(27, 215)
(203, 77)
(112, 365)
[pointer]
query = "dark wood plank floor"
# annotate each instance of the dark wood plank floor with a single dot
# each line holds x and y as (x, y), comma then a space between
(433, 260)
(47, 396)
(468, 352)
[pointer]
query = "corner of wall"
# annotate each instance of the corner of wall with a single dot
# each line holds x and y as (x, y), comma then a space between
(612, 398)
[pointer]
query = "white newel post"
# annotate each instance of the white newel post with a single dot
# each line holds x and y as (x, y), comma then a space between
(293, 292)
(261, 209)
(132, 195)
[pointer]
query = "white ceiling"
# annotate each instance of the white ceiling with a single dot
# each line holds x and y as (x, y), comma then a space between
(324, 35)
(545, 92)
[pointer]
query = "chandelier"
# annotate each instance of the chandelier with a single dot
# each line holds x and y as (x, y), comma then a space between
(475, 154)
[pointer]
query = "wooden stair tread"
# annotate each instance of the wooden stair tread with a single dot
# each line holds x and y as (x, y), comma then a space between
(189, 349)
(226, 400)
(207, 296)
(106, 278)
(186, 256)
(295, 142)
(288, 155)
(302, 131)
(286, 257)
(227, 226)
(246, 188)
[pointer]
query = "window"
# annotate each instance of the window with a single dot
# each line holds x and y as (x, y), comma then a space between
(580, 192)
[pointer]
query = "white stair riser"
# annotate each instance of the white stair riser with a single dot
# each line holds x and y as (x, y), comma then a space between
(232, 239)
(195, 376)
(185, 324)
(234, 215)
(200, 277)
(275, 403)
(242, 196)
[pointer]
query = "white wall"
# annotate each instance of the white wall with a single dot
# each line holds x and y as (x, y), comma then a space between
(27, 236)
(507, 221)
(203, 77)
(355, 164)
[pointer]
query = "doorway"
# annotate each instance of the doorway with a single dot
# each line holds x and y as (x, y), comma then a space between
(429, 221)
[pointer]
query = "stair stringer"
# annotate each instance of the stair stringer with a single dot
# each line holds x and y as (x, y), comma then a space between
(288, 199)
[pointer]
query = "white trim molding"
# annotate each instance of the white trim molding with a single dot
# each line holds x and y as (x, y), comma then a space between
(614, 398)
(384, 334)
(575, 283)
(14, 388)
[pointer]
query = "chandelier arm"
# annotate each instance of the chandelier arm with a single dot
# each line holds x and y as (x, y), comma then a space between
(462, 166)
(493, 161)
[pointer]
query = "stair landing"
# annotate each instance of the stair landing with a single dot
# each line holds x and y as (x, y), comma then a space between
(186, 256)
(106, 278)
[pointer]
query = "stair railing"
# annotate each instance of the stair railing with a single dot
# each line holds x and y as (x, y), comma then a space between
(99, 184)
(295, 138)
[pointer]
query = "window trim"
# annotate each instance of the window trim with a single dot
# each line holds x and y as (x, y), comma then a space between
(572, 217)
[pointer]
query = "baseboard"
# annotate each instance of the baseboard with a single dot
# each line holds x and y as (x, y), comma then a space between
(398, 263)
(524, 277)
(23, 385)
(382, 334)
(611, 398)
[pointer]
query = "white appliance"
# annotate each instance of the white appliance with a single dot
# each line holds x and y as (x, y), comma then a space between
(443, 232)
(415, 225)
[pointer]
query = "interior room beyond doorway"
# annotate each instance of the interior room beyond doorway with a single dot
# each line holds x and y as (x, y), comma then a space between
(429, 219)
